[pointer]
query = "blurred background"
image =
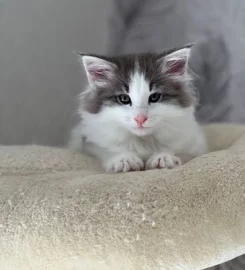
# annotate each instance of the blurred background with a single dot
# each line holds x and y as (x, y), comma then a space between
(40, 76)
(39, 73)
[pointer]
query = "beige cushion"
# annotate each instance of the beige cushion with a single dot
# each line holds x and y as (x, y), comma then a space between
(59, 210)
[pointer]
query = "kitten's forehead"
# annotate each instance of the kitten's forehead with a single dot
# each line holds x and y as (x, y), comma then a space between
(145, 64)
(138, 71)
(139, 88)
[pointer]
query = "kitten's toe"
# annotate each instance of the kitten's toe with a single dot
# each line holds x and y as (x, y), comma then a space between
(163, 160)
(124, 164)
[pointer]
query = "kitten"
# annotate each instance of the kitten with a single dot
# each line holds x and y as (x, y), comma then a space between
(138, 111)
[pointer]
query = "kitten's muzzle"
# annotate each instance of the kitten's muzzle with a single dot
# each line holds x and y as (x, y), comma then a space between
(140, 120)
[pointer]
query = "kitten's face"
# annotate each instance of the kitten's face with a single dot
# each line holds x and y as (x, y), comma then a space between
(138, 92)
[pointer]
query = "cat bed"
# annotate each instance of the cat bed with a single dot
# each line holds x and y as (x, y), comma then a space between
(61, 211)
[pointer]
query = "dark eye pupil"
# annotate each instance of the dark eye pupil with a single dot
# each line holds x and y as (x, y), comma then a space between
(154, 98)
(124, 99)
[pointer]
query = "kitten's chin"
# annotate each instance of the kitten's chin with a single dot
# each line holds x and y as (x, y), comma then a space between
(141, 132)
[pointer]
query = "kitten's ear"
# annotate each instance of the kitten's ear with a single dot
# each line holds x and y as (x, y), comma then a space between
(99, 71)
(176, 63)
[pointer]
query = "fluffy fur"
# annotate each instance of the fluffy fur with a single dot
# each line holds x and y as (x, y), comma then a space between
(138, 111)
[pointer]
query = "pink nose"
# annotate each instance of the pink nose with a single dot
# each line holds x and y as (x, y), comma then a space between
(140, 119)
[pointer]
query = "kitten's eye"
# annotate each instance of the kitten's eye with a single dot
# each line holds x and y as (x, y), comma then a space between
(154, 98)
(124, 99)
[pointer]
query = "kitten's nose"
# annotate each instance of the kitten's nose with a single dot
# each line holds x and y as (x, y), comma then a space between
(140, 119)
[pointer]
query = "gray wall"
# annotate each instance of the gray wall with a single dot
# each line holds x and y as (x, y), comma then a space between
(39, 74)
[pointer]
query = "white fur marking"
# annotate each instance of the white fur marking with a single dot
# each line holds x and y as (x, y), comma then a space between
(139, 90)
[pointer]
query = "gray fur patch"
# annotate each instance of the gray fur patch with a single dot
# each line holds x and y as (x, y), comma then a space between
(145, 63)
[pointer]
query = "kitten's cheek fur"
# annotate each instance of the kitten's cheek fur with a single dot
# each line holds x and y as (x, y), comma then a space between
(162, 160)
(123, 163)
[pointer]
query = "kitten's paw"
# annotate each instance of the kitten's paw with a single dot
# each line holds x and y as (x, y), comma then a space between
(124, 163)
(162, 160)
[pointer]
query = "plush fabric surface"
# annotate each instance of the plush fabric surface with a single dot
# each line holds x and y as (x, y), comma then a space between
(61, 211)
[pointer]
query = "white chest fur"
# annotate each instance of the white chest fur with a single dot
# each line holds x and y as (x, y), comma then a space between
(185, 138)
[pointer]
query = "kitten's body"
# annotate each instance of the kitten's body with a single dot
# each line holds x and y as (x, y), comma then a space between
(126, 124)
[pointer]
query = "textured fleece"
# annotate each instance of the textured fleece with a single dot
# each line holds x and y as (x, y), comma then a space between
(61, 211)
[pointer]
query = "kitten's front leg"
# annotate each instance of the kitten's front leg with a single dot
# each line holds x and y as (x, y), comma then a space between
(123, 162)
(162, 160)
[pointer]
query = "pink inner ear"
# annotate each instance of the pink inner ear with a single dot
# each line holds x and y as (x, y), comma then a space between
(176, 67)
(99, 74)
